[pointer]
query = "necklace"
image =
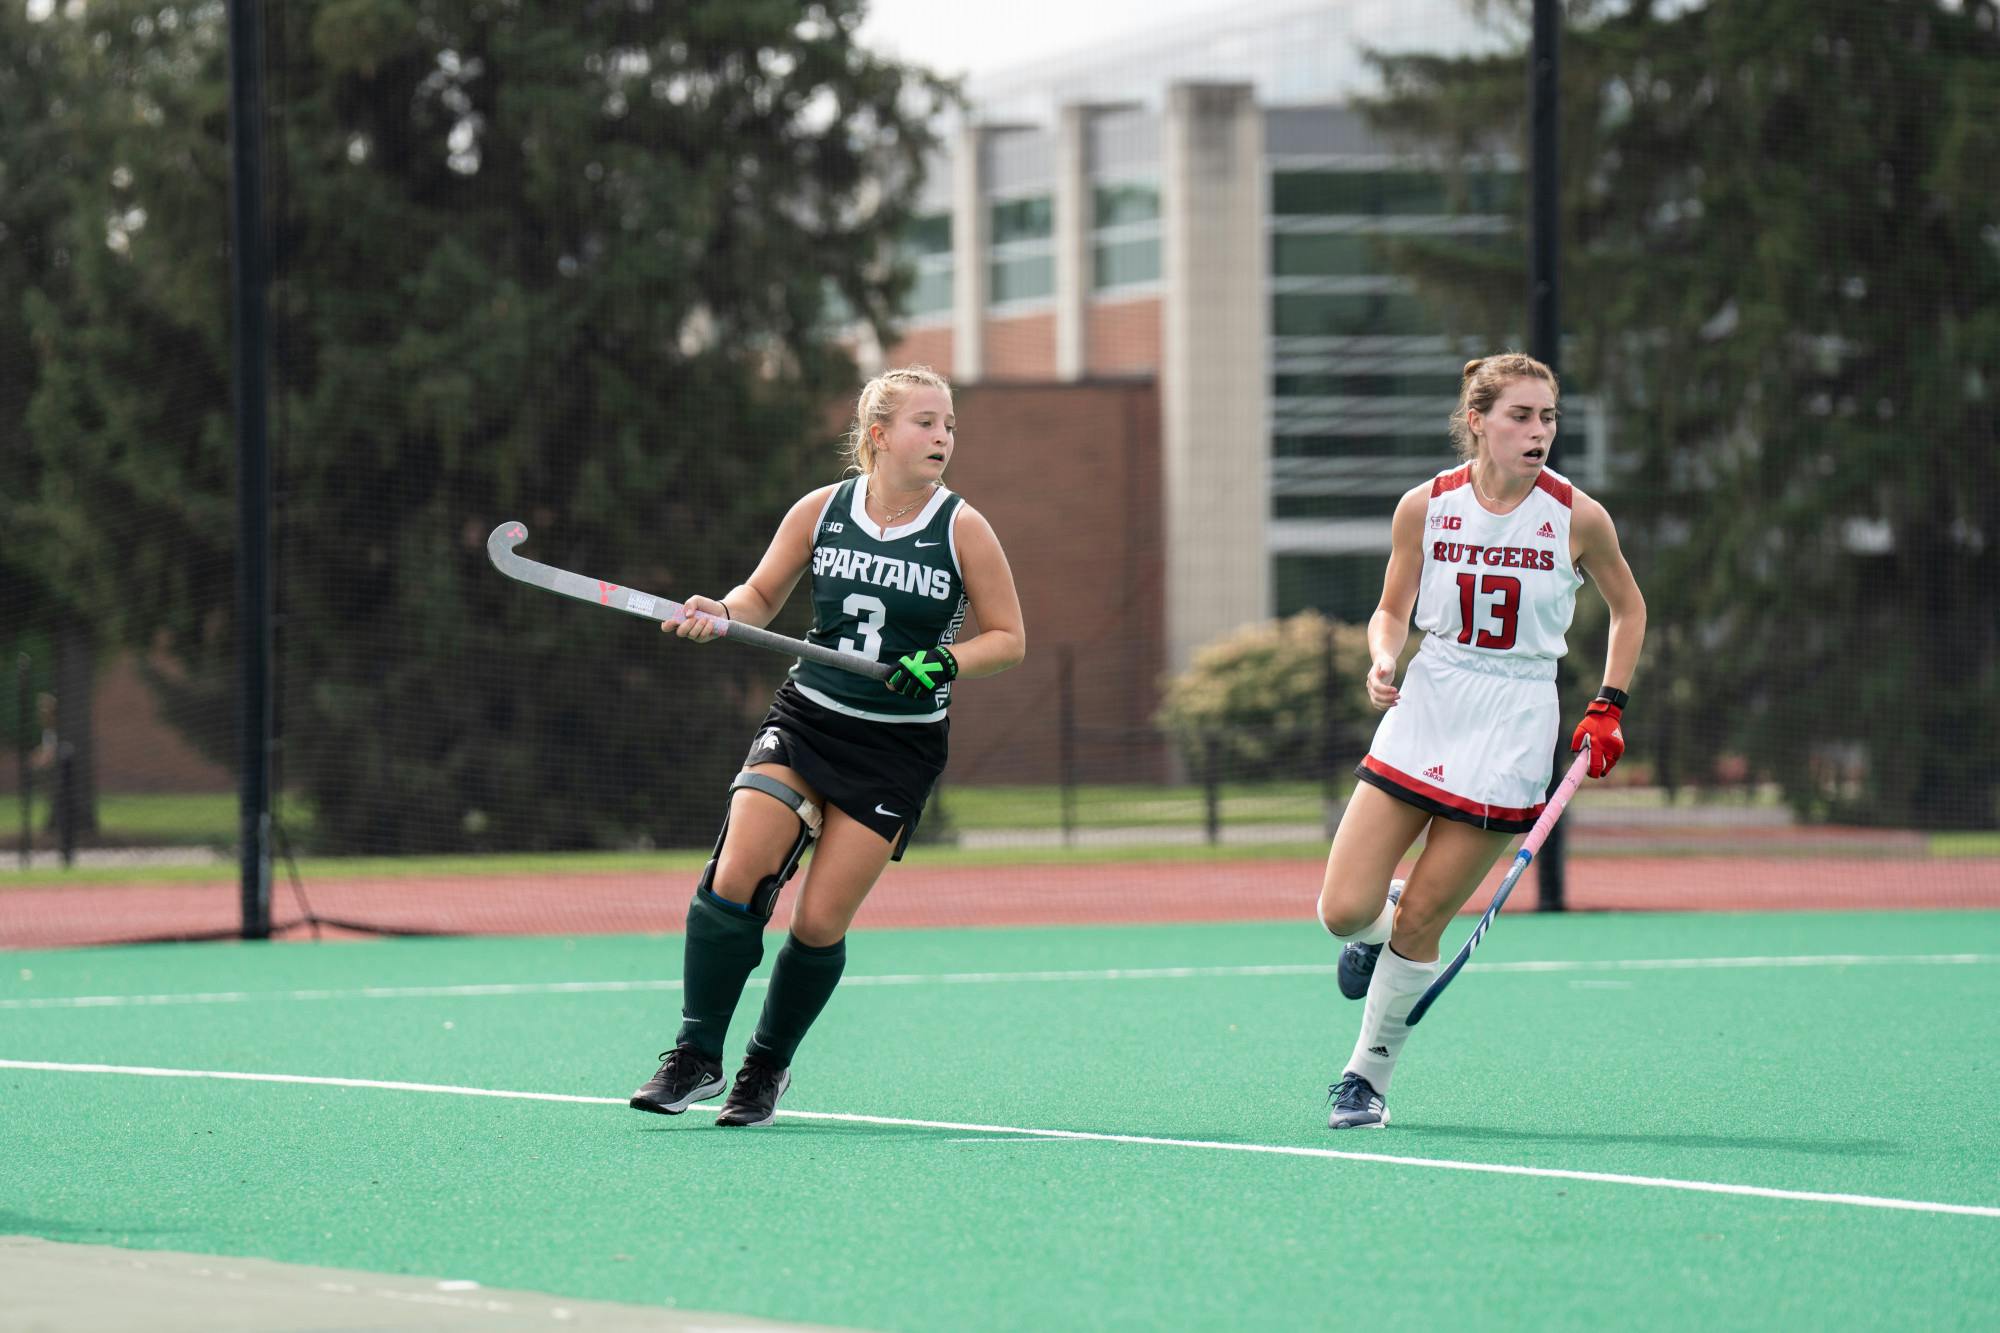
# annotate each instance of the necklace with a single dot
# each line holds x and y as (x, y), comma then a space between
(1474, 474)
(895, 514)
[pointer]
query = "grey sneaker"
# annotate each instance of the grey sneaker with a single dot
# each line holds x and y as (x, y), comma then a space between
(1357, 961)
(685, 1077)
(1356, 1104)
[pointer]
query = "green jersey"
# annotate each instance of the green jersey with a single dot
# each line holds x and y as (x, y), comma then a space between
(880, 596)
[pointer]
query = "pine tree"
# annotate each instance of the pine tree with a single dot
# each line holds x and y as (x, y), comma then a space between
(1781, 276)
(569, 263)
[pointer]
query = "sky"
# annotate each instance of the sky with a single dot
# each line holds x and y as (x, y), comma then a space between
(982, 36)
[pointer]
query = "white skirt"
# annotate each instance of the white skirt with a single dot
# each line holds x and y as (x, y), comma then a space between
(1473, 737)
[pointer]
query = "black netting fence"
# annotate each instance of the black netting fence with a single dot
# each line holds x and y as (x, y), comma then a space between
(616, 271)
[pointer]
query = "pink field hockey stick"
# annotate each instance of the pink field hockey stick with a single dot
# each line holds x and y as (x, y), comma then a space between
(1536, 835)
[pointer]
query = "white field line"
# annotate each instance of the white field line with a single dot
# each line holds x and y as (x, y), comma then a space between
(1023, 1131)
(482, 991)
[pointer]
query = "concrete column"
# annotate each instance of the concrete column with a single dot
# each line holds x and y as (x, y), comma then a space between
(969, 275)
(1072, 222)
(1214, 365)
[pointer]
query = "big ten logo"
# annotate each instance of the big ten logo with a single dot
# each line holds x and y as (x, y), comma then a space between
(832, 528)
(1449, 522)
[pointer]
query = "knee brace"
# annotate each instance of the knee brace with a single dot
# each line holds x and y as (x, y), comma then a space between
(764, 898)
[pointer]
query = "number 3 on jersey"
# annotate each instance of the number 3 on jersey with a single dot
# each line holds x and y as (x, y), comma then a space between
(1505, 590)
(869, 615)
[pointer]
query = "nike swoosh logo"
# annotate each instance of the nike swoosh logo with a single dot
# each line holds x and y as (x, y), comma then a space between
(880, 809)
(930, 543)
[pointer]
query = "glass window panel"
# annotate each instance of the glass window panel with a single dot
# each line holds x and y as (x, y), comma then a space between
(1333, 506)
(1436, 446)
(1339, 254)
(1023, 219)
(1378, 384)
(929, 235)
(1373, 193)
(1023, 279)
(1363, 192)
(931, 293)
(1126, 263)
(1350, 314)
(1493, 192)
(1340, 587)
(1117, 205)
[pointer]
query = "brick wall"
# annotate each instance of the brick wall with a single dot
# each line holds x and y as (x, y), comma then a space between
(1069, 476)
(1021, 348)
(1123, 338)
(136, 751)
(923, 347)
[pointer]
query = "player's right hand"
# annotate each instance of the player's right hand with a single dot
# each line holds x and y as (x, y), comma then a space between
(1382, 692)
(698, 619)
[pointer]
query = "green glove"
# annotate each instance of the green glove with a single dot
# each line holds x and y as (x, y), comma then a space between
(923, 671)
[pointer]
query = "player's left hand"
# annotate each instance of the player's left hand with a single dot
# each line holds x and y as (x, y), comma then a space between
(923, 671)
(1600, 728)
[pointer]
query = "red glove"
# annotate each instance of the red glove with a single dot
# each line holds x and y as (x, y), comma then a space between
(1600, 728)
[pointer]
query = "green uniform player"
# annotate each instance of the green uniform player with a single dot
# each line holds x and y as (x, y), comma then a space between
(842, 761)
(884, 595)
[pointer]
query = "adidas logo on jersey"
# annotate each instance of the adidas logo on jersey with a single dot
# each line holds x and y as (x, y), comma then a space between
(1547, 530)
(1435, 772)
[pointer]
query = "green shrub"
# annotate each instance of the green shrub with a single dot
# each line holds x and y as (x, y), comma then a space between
(1264, 698)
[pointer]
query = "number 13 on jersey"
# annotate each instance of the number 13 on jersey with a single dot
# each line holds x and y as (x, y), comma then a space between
(1498, 596)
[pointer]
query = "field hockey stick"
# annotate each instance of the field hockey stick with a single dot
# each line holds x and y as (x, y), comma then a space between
(1550, 814)
(500, 546)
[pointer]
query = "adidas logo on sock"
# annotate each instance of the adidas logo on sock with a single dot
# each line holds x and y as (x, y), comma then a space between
(1548, 530)
(1435, 772)
(1382, 1051)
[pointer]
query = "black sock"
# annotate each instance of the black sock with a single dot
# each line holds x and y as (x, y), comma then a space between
(724, 945)
(802, 980)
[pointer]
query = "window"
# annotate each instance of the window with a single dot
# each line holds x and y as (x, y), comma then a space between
(1350, 314)
(1028, 278)
(1031, 219)
(1332, 506)
(1368, 384)
(1122, 205)
(1125, 235)
(1375, 193)
(1126, 263)
(1433, 446)
(1339, 254)
(1340, 587)
(928, 235)
(931, 295)
(1021, 262)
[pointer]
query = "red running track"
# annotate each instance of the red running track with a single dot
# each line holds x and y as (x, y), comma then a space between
(913, 895)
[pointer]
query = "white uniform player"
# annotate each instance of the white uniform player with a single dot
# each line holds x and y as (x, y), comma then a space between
(1486, 560)
(1474, 737)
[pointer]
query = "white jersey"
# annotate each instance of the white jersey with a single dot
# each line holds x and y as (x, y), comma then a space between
(1498, 584)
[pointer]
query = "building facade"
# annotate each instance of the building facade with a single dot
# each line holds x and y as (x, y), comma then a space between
(1207, 208)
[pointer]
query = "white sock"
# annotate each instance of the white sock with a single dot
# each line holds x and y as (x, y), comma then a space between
(1377, 931)
(1392, 991)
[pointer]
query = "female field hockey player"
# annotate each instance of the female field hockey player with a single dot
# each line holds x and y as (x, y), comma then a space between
(896, 559)
(1490, 554)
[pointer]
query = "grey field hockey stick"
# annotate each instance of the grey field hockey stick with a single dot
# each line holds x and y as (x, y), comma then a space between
(1550, 814)
(500, 546)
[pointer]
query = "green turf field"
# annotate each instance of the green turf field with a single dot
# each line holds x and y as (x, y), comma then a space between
(1649, 1121)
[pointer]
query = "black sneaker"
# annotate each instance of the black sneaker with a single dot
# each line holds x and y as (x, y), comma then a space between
(754, 1099)
(1357, 961)
(1356, 1104)
(685, 1077)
